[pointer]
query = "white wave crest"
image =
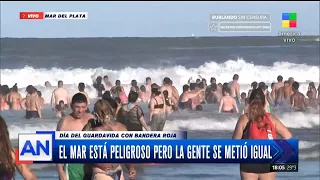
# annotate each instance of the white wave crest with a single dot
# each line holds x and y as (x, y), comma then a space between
(223, 72)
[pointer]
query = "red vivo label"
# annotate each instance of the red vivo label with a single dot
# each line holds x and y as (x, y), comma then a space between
(31, 15)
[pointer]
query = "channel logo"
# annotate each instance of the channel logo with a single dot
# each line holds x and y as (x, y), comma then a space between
(289, 20)
(34, 147)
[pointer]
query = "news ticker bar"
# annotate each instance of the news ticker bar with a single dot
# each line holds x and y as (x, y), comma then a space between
(240, 23)
(53, 15)
(45, 147)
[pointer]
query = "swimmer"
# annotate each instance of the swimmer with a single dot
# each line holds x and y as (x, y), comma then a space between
(157, 111)
(167, 86)
(47, 84)
(74, 122)
(185, 101)
(60, 108)
(228, 103)
(254, 85)
(15, 98)
(297, 99)
(312, 95)
(170, 107)
(175, 94)
(32, 103)
(106, 83)
(41, 100)
(148, 87)
(235, 88)
(199, 108)
(59, 94)
(113, 89)
(195, 100)
(243, 98)
(143, 96)
(99, 86)
(279, 84)
(106, 117)
(134, 86)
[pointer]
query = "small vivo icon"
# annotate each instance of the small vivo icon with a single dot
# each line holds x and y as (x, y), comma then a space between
(35, 147)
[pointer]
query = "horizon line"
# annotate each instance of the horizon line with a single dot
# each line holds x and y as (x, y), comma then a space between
(193, 37)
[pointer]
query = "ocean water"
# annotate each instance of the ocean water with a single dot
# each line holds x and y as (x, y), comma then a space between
(34, 61)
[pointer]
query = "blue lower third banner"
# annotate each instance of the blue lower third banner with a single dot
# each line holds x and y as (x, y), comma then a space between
(150, 147)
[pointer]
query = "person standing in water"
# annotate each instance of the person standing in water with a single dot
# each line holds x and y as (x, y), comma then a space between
(258, 124)
(228, 103)
(74, 122)
(15, 98)
(41, 100)
(106, 83)
(148, 87)
(312, 95)
(59, 94)
(297, 99)
(32, 103)
(99, 86)
(185, 99)
(81, 88)
(235, 88)
(106, 121)
(8, 164)
(157, 111)
(134, 118)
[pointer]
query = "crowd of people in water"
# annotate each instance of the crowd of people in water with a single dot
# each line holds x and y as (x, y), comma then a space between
(117, 111)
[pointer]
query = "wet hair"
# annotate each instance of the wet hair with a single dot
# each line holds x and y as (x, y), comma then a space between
(199, 108)
(105, 77)
(81, 86)
(99, 80)
(235, 77)
(132, 97)
(61, 102)
(213, 80)
(106, 95)
(295, 85)
(279, 78)
(226, 90)
(286, 82)
(6, 149)
(39, 93)
(219, 84)
(5, 90)
(143, 88)
(198, 81)
(118, 83)
(15, 88)
(155, 91)
(290, 79)
(311, 85)
(225, 85)
(79, 98)
(166, 81)
(193, 86)
(134, 83)
(185, 88)
(30, 89)
(201, 85)
(272, 85)
(254, 85)
(154, 85)
(60, 83)
(256, 111)
(148, 79)
(243, 95)
(103, 109)
(166, 98)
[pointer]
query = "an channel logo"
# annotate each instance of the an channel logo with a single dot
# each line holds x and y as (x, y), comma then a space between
(35, 147)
